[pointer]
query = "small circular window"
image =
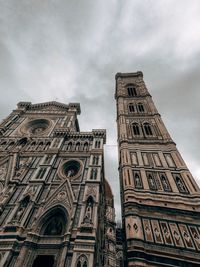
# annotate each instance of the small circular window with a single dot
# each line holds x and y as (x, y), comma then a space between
(71, 168)
(37, 126)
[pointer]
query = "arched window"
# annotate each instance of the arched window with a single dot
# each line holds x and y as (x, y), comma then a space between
(97, 144)
(93, 175)
(47, 145)
(147, 129)
(140, 107)
(77, 146)
(3, 143)
(131, 90)
(69, 146)
(40, 146)
(85, 147)
(82, 261)
(32, 145)
(131, 108)
(136, 129)
(22, 142)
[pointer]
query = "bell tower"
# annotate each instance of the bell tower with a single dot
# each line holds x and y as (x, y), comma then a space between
(160, 198)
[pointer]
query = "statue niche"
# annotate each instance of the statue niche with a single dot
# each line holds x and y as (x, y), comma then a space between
(88, 211)
(23, 205)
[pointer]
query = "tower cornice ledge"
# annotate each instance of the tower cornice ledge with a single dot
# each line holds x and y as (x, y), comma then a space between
(128, 74)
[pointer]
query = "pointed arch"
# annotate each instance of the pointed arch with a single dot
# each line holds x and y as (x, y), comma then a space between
(131, 107)
(140, 107)
(131, 90)
(148, 128)
(82, 261)
(85, 146)
(136, 128)
(54, 222)
(77, 147)
(69, 146)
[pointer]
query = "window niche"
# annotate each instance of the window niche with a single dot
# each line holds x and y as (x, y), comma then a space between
(136, 129)
(82, 261)
(147, 129)
(131, 90)
(131, 107)
(140, 107)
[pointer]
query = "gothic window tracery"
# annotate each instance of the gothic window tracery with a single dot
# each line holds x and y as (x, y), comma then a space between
(93, 175)
(40, 146)
(85, 146)
(95, 160)
(22, 142)
(47, 145)
(131, 89)
(97, 144)
(140, 107)
(77, 147)
(69, 146)
(136, 129)
(147, 129)
(131, 107)
(82, 261)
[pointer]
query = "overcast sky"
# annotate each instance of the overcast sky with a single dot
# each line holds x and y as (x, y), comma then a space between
(70, 51)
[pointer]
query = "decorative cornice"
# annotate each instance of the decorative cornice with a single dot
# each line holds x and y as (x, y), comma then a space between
(29, 105)
(129, 74)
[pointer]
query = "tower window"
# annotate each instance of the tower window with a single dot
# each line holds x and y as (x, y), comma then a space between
(131, 108)
(140, 107)
(147, 129)
(131, 90)
(136, 129)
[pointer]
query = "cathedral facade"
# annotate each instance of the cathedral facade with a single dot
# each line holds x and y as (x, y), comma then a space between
(160, 198)
(55, 204)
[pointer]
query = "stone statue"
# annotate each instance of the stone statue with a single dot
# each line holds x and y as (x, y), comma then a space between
(88, 213)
